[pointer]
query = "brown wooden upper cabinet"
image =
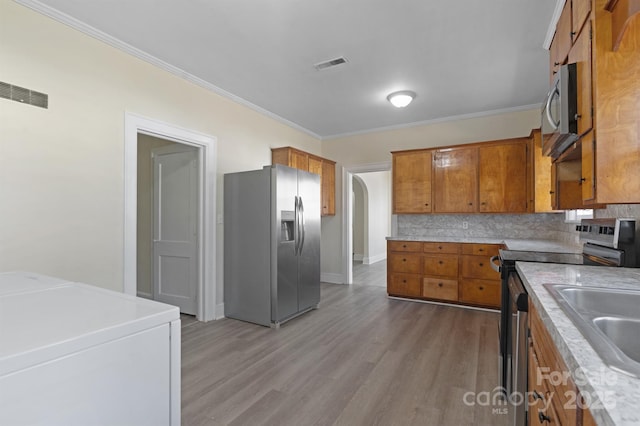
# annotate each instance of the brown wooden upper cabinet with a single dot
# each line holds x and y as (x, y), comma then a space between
(503, 183)
(580, 54)
(412, 182)
(605, 35)
(486, 177)
(301, 160)
(561, 43)
(455, 175)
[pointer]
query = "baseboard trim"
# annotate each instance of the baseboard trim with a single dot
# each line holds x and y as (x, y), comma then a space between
(358, 257)
(331, 278)
(219, 311)
(453, 305)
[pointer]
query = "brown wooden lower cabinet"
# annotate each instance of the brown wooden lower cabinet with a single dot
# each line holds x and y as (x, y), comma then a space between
(480, 292)
(457, 273)
(440, 289)
(553, 396)
(405, 285)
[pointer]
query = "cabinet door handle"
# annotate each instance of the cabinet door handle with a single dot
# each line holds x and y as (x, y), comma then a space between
(470, 204)
(404, 281)
(543, 418)
(426, 204)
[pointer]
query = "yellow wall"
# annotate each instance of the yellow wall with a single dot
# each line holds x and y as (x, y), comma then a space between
(62, 168)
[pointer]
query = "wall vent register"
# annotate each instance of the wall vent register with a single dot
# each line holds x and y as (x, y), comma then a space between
(23, 95)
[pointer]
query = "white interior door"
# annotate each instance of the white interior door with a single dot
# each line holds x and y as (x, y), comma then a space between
(175, 239)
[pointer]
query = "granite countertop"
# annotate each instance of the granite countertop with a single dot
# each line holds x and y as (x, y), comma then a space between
(614, 394)
(510, 243)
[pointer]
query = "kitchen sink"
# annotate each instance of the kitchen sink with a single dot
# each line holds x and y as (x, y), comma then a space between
(608, 318)
(624, 333)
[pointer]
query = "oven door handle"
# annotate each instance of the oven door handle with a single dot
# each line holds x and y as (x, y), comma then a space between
(495, 266)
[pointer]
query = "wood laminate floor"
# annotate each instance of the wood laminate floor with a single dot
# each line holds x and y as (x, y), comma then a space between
(360, 359)
(374, 274)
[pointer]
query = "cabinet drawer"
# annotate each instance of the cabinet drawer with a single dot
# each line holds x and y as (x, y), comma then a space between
(435, 288)
(409, 263)
(480, 292)
(451, 248)
(481, 249)
(478, 267)
(404, 285)
(442, 265)
(405, 246)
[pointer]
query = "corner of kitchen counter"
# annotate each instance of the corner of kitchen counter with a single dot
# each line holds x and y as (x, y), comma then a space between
(576, 352)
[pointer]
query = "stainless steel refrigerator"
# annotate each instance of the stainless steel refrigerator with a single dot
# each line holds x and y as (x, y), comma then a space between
(271, 244)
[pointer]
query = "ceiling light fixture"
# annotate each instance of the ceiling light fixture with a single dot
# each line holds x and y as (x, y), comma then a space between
(402, 98)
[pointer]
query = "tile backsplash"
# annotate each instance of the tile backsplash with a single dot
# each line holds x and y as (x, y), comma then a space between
(542, 226)
(620, 210)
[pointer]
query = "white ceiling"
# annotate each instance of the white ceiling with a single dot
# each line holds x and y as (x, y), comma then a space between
(462, 58)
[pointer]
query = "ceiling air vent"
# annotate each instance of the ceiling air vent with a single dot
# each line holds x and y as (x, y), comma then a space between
(331, 63)
(26, 96)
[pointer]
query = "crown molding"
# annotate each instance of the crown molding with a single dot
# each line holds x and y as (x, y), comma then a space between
(133, 51)
(435, 121)
(552, 25)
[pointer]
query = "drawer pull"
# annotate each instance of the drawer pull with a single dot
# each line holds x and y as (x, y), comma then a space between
(404, 281)
(480, 249)
(440, 262)
(543, 418)
(481, 288)
(404, 246)
(481, 264)
(439, 247)
(404, 260)
(439, 284)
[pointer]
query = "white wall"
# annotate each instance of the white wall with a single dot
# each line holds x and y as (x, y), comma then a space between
(376, 147)
(61, 169)
(378, 219)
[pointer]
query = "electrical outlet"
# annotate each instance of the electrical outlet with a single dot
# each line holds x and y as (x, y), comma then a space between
(465, 225)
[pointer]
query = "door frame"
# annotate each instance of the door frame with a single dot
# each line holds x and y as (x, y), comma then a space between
(347, 212)
(135, 124)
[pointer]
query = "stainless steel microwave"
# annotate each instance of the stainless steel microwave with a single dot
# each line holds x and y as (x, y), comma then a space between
(559, 113)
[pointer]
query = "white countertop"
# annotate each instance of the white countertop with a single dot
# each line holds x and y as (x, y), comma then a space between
(42, 318)
(510, 243)
(616, 394)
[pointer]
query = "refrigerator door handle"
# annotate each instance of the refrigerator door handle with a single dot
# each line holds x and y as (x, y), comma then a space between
(301, 208)
(296, 226)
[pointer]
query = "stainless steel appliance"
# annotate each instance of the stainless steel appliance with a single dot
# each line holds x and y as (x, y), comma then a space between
(517, 369)
(271, 244)
(606, 242)
(559, 113)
